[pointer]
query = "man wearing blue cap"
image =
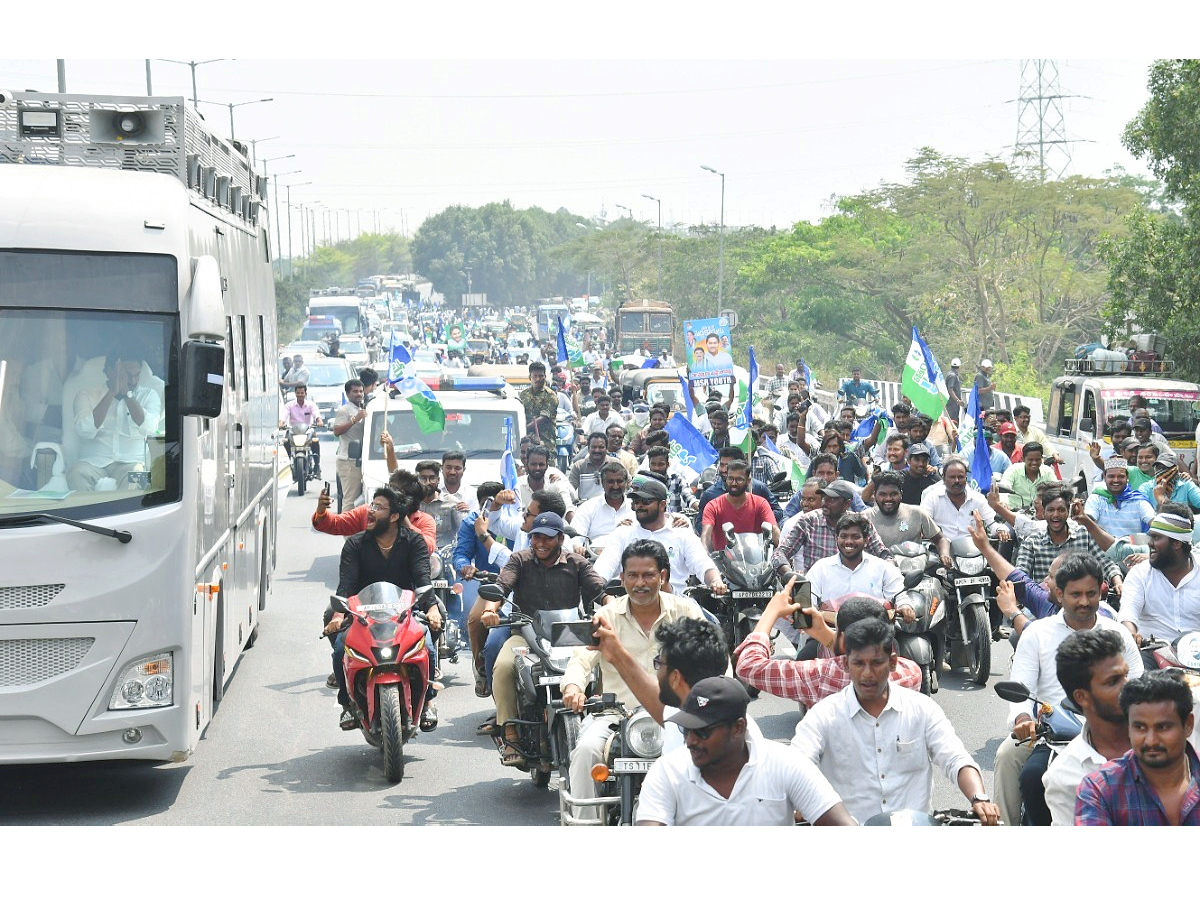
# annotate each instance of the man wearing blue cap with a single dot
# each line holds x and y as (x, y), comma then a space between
(544, 576)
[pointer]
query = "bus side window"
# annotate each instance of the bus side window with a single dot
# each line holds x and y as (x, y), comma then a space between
(1087, 421)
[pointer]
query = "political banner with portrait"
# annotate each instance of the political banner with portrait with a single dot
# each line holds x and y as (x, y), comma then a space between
(709, 353)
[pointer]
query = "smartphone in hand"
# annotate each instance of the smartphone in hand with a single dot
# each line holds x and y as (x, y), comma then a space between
(802, 595)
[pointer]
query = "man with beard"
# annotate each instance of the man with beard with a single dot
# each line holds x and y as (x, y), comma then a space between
(895, 521)
(686, 555)
(851, 571)
(1117, 507)
(454, 467)
(877, 742)
(1039, 550)
(951, 503)
(544, 576)
(540, 476)
(919, 476)
(1162, 594)
(616, 439)
(633, 619)
(747, 512)
(658, 421)
(585, 473)
(444, 512)
(718, 487)
(1158, 781)
(384, 552)
(918, 433)
(1092, 671)
(598, 517)
(1006, 442)
(811, 536)
(1080, 583)
(719, 420)
(726, 776)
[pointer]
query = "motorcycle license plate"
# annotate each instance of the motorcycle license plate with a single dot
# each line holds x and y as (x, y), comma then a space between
(753, 595)
(971, 582)
(440, 583)
(376, 607)
(549, 679)
(641, 766)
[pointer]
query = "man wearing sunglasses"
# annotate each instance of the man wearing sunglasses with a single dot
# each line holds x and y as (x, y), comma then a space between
(725, 776)
(648, 497)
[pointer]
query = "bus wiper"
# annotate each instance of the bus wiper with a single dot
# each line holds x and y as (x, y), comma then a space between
(27, 518)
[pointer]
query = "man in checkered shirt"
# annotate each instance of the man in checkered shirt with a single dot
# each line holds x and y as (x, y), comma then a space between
(808, 537)
(1039, 550)
(810, 680)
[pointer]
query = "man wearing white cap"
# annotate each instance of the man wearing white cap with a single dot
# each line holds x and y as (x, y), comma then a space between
(954, 404)
(1162, 594)
(983, 381)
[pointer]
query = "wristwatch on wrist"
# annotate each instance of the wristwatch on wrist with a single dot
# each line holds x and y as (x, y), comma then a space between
(128, 395)
(980, 798)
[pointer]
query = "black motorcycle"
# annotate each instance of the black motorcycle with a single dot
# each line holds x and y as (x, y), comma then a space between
(548, 731)
(924, 639)
(745, 567)
(970, 588)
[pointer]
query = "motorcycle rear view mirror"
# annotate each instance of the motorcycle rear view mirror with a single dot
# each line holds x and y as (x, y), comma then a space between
(766, 532)
(493, 593)
(1013, 691)
(339, 604)
(727, 528)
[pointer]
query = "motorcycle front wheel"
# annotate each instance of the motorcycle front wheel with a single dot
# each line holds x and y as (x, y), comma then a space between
(301, 465)
(979, 643)
(391, 727)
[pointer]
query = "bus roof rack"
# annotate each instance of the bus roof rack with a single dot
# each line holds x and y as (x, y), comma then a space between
(1151, 368)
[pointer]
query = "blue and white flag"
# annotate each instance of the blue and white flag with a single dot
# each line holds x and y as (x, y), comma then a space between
(508, 465)
(398, 358)
(864, 428)
(650, 364)
(689, 448)
(808, 376)
(749, 409)
(981, 458)
(770, 445)
(689, 404)
(973, 403)
(563, 356)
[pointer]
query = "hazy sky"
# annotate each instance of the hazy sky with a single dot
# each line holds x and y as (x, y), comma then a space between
(408, 138)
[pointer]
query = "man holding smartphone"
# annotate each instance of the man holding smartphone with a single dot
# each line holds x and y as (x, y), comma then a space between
(812, 679)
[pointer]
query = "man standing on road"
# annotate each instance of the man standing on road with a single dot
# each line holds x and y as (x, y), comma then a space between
(540, 402)
(877, 743)
(348, 428)
(724, 776)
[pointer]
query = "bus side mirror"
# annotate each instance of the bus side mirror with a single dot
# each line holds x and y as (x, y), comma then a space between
(202, 379)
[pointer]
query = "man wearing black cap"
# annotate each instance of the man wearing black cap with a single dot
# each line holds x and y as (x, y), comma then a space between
(544, 576)
(1141, 423)
(725, 777)
(687, 555)
(918, 476)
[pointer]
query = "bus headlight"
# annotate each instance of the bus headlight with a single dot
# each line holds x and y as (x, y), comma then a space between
(145, 683)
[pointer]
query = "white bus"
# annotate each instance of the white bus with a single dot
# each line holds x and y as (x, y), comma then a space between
(135, 556)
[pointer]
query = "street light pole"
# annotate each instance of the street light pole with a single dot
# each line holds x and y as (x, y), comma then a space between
(658, 298)
(254, 142)
(291, 271)
(278, 222)
(232, 135)
(192, 64)
(628, 211)
(275, 191)
(721, 258)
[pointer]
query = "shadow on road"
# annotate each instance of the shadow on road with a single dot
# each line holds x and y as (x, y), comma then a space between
(95, 793)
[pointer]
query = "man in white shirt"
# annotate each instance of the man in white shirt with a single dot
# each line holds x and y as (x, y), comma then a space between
(877, 742)
(540, 476)
(685, 553)
(1162, 594)
(113, 423)
(851, 571)
(296, 374)
(634, 618)
(597, 518)
(603, 416)
(1092, 670)
(454, 467)
(725, 777)
(1019, 767)
(951, 503)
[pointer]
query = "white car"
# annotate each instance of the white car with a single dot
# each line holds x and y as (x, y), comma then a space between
(326, 384)
(355, 350)
(475, 424)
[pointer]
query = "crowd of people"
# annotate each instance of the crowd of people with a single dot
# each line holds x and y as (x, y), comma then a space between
(625, 509)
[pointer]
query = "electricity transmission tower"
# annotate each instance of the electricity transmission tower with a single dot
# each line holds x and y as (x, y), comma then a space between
(1041, 133)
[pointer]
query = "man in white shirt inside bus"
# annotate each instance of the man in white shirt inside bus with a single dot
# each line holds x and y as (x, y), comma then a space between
(113, 423)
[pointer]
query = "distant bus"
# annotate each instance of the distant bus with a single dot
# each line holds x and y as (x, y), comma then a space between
(347, 309)
(547, 319)
(136, 554)
(645, 322)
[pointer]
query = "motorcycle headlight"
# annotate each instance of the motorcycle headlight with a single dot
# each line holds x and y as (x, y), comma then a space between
(145, 684)
(435, 566)
(970, 565)
(910, 565)
(643, 736)
(559, 656)
(298, 440)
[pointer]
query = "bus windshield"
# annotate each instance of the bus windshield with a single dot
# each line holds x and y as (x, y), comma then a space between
(345, 311)
(89, 421)
(476, 432)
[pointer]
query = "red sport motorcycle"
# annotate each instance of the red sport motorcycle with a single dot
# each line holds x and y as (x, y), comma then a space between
(387, 668)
